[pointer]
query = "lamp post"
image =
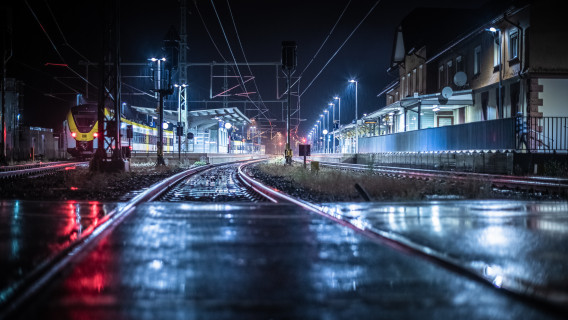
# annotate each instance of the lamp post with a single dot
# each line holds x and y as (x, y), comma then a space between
(333, 124)
(326, 126)
(339, 122)
(356, 121)
(162, 85)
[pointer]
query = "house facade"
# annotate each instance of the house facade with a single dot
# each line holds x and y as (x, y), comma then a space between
(467, 93)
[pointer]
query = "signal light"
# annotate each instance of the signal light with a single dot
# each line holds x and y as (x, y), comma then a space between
(95, 134)
(73, 134)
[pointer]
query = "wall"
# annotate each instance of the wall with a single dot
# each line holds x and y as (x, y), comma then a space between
(554, 97)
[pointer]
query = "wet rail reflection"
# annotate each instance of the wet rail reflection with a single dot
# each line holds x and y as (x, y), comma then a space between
(32, 232)
(514, 243)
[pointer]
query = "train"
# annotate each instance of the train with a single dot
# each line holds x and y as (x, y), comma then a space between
(81, 128)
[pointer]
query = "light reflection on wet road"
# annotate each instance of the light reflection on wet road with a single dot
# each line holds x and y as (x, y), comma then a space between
(242, 261)
(30, 232)
(519, 240)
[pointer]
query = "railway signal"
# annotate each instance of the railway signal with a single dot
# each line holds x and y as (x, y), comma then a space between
(289, 62)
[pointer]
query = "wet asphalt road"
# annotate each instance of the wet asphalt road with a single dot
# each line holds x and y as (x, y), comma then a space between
(261, 261)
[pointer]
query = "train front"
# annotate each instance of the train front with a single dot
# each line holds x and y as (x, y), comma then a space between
(82, 130)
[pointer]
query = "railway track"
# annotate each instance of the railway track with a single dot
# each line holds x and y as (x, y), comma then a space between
(529, 183)
(39, 169)
(230, 182)
(218, 184)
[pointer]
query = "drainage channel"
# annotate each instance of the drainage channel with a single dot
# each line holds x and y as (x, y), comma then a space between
(218, 184)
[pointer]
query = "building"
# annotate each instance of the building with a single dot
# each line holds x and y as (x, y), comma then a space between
(461, 89)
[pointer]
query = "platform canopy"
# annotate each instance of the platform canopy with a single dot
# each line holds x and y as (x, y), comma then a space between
(201, 119)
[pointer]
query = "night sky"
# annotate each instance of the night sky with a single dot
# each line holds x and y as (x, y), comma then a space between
(262, 25)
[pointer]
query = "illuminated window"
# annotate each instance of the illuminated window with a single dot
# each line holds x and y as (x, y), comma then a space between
(477, 60)
(513, 44)
(496, 53)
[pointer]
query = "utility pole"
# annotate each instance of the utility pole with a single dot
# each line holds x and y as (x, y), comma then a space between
(182, 72)
(289, 62)
(6, 43)
(109, 90)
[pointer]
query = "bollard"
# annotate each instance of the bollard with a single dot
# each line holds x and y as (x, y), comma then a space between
(315, 166)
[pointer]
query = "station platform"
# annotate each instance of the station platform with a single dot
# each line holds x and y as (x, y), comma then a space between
(277, 261)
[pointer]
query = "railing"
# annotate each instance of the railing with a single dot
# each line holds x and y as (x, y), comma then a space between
(484, 135)
(546, 134)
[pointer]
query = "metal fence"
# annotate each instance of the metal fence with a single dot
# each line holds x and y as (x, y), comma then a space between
(546, 134)
(484, 135)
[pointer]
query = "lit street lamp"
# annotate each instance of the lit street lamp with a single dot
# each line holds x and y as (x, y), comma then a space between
(339, 123)
(356, 121)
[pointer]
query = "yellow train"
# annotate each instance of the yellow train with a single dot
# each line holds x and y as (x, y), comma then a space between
(81, 128)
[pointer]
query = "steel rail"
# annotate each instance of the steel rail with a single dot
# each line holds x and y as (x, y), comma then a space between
(529, 182)
(30, 285)
(509, 284)
(24, 171)
(27, 166)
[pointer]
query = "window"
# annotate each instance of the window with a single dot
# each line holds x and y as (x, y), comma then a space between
(414, 88)
(513, 44)
(441, 77)
(459, 64)
(477, 60)
(406, 94)
(496, 53)
(449, 75)
(420, 71)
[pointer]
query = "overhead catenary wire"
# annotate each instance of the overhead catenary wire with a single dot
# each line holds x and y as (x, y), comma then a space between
(235, 60)
(207, 30)
(340, 47)
(321, 46)
(245, 57)
(55, 47)
(63, 35)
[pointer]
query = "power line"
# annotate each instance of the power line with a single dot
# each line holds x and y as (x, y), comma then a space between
(337, 51)
(54, 46)
(207, 30)
(62, 34)
(235, 60)
(245, 57)
(324, 41)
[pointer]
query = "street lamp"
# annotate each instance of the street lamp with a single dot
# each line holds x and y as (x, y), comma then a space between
(339, 122)
(356, 121)
(333, 124)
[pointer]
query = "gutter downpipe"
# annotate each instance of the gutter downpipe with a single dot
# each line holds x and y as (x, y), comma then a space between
(521, 55)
